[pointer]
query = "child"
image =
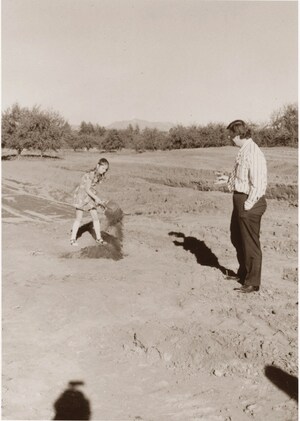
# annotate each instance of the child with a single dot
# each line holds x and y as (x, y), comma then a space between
(86, 199)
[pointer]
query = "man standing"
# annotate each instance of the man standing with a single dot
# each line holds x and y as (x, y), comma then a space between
(248, 182)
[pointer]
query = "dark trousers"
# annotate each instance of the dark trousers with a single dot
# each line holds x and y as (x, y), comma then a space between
(244, 232)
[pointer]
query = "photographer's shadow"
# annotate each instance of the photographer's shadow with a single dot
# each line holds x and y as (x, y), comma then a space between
(72, 404)
(199, 249)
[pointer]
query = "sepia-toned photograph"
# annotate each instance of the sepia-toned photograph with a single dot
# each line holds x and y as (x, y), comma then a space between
(149, 168)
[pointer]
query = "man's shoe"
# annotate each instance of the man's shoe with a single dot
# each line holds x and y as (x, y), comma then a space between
(247, 288)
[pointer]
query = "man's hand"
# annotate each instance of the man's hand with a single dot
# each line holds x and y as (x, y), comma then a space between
(247, 206)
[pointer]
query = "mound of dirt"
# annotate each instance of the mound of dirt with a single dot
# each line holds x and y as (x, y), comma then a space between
(111, 250)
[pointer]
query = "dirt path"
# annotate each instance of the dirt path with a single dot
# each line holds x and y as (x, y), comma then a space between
(156, 335)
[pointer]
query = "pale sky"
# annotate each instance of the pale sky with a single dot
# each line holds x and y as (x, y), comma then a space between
(181, 61)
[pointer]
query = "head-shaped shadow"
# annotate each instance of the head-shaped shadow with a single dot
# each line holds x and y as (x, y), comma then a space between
(284, 381)
(199, 249)
(72, 404)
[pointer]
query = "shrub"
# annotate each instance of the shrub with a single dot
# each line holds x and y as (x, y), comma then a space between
(32, 129)
(112, 140)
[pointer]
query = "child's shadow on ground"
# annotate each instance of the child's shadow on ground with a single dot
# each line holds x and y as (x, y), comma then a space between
(86, 228)
(199, 249)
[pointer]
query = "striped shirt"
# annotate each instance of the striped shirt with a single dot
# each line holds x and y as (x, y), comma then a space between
(249, 174)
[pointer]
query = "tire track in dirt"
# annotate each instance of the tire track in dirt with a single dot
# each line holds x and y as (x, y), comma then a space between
(26, 207)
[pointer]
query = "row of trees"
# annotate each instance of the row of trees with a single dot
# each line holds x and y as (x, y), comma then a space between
(36, 129)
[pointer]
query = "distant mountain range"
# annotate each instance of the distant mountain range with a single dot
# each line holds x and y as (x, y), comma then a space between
(119, 125)
(163, 126)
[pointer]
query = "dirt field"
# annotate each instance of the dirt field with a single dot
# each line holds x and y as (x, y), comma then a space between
(154, 331)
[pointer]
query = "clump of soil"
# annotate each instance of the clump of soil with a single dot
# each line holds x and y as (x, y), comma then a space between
(113, 213)
(290, 274)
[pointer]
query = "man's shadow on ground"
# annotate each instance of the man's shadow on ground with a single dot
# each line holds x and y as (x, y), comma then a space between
(72, 404)
(199, 249)
(284, 381)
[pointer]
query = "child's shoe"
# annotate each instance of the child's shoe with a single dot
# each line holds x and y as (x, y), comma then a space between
(101, 242)
(74, 243)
